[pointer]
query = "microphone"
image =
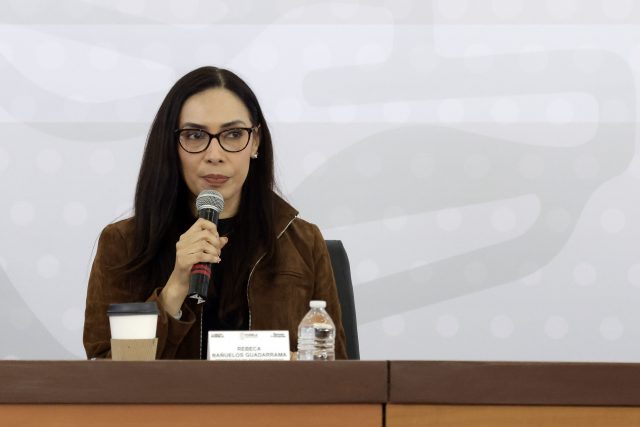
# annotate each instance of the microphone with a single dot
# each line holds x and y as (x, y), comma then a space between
(209, 205)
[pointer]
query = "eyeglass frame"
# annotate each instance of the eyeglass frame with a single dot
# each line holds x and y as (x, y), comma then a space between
(217, 137)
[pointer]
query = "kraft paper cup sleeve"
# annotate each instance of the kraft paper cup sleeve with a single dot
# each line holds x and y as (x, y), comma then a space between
(134, 350)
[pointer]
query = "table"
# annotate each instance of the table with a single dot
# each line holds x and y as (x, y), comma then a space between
(185, 393)
(498, 394)
(340, 393)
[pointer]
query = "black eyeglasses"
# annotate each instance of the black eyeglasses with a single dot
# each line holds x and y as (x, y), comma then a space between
(198, 140)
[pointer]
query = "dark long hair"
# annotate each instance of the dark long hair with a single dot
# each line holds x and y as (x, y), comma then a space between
(163, 201)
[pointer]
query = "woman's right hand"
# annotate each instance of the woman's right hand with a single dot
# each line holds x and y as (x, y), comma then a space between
(200, 243)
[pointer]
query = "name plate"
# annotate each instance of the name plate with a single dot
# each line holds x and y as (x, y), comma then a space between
(248, 345)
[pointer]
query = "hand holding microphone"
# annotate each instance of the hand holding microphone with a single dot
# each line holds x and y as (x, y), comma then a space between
(209, 205)
(198, 248)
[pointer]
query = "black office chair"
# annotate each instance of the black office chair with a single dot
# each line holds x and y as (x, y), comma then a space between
(342, 274)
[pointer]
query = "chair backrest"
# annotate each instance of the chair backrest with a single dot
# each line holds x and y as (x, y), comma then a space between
(342, 274)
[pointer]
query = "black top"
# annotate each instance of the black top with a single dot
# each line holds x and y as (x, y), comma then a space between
(214, 317)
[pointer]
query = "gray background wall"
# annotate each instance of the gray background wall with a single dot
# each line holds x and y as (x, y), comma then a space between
(477, 158)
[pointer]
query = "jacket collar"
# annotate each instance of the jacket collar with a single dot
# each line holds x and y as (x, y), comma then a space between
(284, 213)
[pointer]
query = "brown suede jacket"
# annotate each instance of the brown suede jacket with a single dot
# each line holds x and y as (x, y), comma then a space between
(304, 274)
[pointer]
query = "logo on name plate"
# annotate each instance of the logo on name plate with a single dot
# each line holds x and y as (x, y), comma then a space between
(248, 335)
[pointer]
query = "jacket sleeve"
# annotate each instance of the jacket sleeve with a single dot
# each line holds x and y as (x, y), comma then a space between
(325, 289)
(106, 287)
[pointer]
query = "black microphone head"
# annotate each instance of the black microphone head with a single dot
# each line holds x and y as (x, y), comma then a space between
(210, 199)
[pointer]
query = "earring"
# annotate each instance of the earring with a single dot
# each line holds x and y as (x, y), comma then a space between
(254, 156)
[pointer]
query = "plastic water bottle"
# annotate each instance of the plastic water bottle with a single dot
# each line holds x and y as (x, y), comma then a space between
(316, 334)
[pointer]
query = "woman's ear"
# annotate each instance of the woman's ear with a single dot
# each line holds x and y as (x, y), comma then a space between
(255, 143)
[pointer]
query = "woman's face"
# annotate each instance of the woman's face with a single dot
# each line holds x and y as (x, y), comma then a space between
(215, 110)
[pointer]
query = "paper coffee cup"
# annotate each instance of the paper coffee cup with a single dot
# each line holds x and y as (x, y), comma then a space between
(132, 321)
(133, 331)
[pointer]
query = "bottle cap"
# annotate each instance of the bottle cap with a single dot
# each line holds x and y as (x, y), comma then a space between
(317, 304)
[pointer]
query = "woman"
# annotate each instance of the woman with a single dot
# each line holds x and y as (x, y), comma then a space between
(209, 133)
